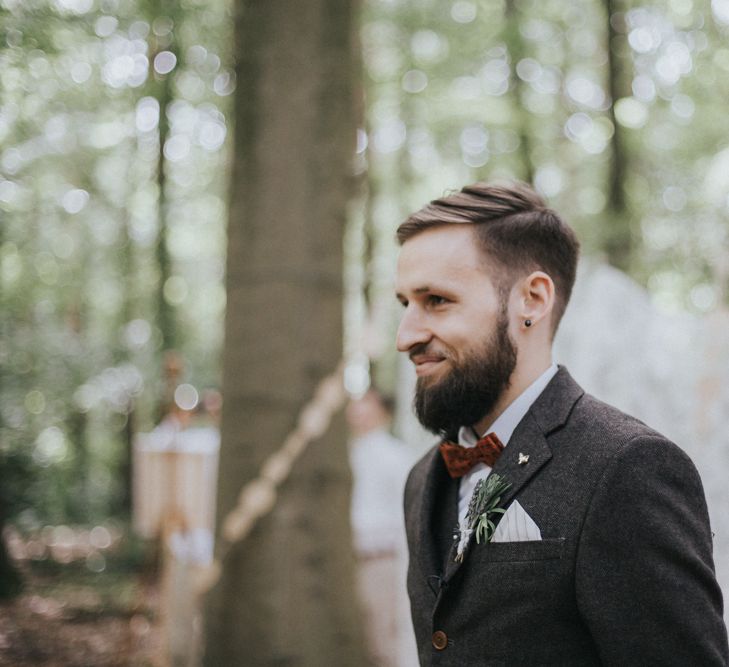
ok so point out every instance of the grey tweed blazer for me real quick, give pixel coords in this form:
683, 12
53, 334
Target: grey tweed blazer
623, 574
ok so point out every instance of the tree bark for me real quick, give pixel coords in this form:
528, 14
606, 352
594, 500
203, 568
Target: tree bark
286, 594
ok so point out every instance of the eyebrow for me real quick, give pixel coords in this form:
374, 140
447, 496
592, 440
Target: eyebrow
417, 290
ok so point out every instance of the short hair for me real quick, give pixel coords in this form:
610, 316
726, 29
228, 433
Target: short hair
516, 231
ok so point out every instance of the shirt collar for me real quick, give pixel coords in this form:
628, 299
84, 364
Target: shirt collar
509, 419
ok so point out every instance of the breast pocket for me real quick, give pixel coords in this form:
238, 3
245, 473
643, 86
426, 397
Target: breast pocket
520, 552
518, 578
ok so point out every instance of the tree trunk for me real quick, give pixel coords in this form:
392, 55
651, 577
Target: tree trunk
165, 313
77, 502
160, 86
618, 242
10, 580
11, 584
517, 51
286, 593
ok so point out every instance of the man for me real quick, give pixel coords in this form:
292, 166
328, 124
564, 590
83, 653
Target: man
553, 529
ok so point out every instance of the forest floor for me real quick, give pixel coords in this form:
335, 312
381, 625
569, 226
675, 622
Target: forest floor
68, 616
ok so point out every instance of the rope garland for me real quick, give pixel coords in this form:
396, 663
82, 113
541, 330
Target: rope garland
258, 496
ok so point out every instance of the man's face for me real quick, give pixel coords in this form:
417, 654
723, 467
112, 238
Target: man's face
454, 328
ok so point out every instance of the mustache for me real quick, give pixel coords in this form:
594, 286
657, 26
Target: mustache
426, 349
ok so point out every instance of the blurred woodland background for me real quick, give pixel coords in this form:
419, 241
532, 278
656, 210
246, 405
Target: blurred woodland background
200, 196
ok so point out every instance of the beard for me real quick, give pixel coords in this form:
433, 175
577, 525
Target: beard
471, 388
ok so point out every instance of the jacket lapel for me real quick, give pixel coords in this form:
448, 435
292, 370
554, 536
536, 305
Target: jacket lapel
529, 444
436, 517
547, 414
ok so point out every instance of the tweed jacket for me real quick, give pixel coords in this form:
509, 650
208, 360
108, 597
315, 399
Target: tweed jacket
623, 574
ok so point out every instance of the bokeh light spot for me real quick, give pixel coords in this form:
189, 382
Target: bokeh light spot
549, 180
73, 201
720, 9
100, 537
428, 46
95, 562
164, 62
224, 84
75, 6
177, 148
105, 25
175, 290
147, 114
463, 11
390, 136
704, 296
631, 113
414, 81
212, 135
35, 402
50, 446
80, 72
137, 333
186, 397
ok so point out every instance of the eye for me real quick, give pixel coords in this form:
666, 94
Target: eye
436, 300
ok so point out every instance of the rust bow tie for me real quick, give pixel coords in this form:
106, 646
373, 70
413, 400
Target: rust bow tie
459, 460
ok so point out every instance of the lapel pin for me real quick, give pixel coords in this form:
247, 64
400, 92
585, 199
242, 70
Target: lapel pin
523, 459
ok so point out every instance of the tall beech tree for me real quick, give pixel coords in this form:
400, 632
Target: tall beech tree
286, 592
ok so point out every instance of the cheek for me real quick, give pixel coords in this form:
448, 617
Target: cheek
457, 348
465, 344
470, 332
466, 325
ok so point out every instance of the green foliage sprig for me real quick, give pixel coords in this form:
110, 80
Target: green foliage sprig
485, 503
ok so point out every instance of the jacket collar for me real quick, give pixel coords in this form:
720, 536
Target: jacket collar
552, 408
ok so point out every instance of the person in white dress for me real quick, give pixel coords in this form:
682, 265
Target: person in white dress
380, 464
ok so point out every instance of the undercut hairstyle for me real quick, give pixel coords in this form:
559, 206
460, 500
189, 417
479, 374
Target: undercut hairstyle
516, 232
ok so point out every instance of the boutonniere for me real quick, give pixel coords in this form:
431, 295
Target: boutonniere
484, 504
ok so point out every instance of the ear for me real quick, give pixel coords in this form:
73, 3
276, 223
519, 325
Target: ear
535, 300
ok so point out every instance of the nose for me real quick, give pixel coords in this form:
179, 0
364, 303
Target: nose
412, 330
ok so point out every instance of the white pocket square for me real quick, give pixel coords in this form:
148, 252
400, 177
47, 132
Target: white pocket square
516, 526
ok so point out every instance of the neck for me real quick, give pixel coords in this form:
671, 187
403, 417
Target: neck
524, 375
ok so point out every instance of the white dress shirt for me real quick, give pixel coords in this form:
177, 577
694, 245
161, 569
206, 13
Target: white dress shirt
503, 427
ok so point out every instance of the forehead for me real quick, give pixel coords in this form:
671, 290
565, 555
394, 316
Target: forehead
441, 255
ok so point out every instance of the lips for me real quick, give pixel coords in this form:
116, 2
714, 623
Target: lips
426, 363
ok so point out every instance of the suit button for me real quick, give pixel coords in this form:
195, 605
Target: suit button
440, 640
